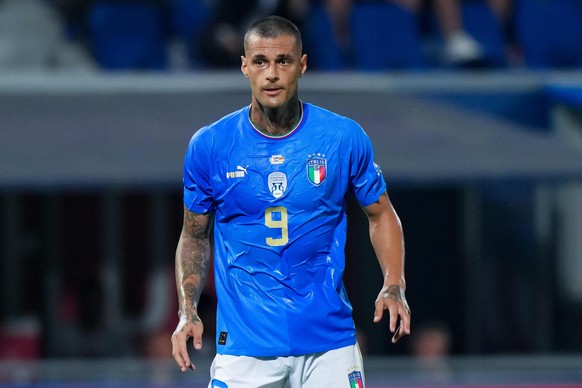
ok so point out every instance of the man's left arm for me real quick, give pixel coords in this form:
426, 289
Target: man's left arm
388, 242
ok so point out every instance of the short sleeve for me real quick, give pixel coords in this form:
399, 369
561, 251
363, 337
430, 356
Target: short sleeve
366, 179
198, 195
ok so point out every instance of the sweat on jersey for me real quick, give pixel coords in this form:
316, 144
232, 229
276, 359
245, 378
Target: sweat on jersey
280, 227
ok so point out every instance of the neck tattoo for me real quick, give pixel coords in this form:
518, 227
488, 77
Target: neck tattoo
276, 122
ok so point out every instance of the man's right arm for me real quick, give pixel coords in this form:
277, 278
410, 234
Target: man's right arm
192, 262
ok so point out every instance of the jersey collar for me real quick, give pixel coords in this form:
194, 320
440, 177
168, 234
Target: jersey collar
274, 136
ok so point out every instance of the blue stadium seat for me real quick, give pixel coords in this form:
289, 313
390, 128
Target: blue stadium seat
549, 33
188, 16
322, 48
385, 37
482, 24
187, 19
128, 36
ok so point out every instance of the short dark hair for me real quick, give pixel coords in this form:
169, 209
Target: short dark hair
274, 26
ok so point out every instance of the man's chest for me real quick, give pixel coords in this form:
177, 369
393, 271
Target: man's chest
267, 174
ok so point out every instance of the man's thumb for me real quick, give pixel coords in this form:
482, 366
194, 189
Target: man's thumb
197, 342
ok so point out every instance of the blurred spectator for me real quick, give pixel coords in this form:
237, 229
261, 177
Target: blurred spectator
434, 32
430, 347
339, 12
221, 41
20, 338
208, 33
327, 37
459, 47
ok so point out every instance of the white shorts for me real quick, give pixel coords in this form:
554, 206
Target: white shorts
335, 368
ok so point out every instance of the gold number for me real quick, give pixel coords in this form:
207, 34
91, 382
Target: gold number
276, 218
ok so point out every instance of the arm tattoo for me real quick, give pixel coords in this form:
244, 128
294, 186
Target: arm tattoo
192, 262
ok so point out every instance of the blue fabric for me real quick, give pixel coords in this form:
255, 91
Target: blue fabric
280, 228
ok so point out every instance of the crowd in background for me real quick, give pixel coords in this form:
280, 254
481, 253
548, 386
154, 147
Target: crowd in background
339, 35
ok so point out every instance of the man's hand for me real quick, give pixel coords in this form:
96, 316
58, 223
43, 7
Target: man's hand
392, 298
187, 328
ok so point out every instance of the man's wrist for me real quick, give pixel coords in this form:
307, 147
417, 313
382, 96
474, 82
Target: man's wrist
394, 281
190, 314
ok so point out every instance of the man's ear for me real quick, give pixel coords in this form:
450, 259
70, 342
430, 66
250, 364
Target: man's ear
243, 66
303, 64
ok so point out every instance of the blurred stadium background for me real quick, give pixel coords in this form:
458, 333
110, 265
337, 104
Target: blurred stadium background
483, 162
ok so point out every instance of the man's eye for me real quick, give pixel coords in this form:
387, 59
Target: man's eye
259, 62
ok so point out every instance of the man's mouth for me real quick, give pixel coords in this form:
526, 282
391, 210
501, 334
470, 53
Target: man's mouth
272, 91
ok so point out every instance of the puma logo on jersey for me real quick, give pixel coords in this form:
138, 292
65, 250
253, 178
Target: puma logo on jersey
239, 173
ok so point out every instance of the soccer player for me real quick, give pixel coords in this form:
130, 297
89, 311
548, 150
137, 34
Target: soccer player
272, 178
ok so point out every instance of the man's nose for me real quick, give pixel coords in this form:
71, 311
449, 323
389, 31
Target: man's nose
272, 73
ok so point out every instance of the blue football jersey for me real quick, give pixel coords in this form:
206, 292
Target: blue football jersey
280, 227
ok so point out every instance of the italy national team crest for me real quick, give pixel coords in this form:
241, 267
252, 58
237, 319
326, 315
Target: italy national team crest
277, 183
356, 380
316, 168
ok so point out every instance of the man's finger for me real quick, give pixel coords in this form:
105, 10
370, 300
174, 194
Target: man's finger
378, 312
395, 321
406, 324
397, 333
403, 327
197, 341
180, 352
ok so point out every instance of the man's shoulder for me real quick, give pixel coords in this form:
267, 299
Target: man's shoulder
319, 113
219, 125
228, 119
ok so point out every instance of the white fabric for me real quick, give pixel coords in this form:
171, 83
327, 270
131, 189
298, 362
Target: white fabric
327, 369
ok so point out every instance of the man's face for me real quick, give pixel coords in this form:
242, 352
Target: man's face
273, 66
